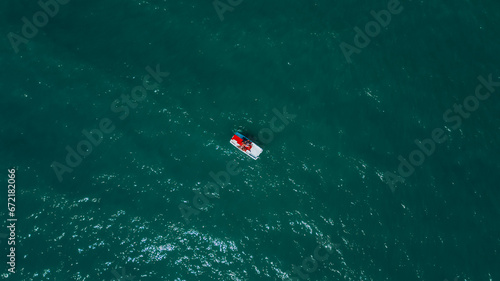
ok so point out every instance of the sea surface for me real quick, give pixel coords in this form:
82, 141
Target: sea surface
325, 200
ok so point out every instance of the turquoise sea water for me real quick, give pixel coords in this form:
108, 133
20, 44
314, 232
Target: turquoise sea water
317, 194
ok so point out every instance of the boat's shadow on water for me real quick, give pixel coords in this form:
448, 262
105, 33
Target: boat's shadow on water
251, 136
